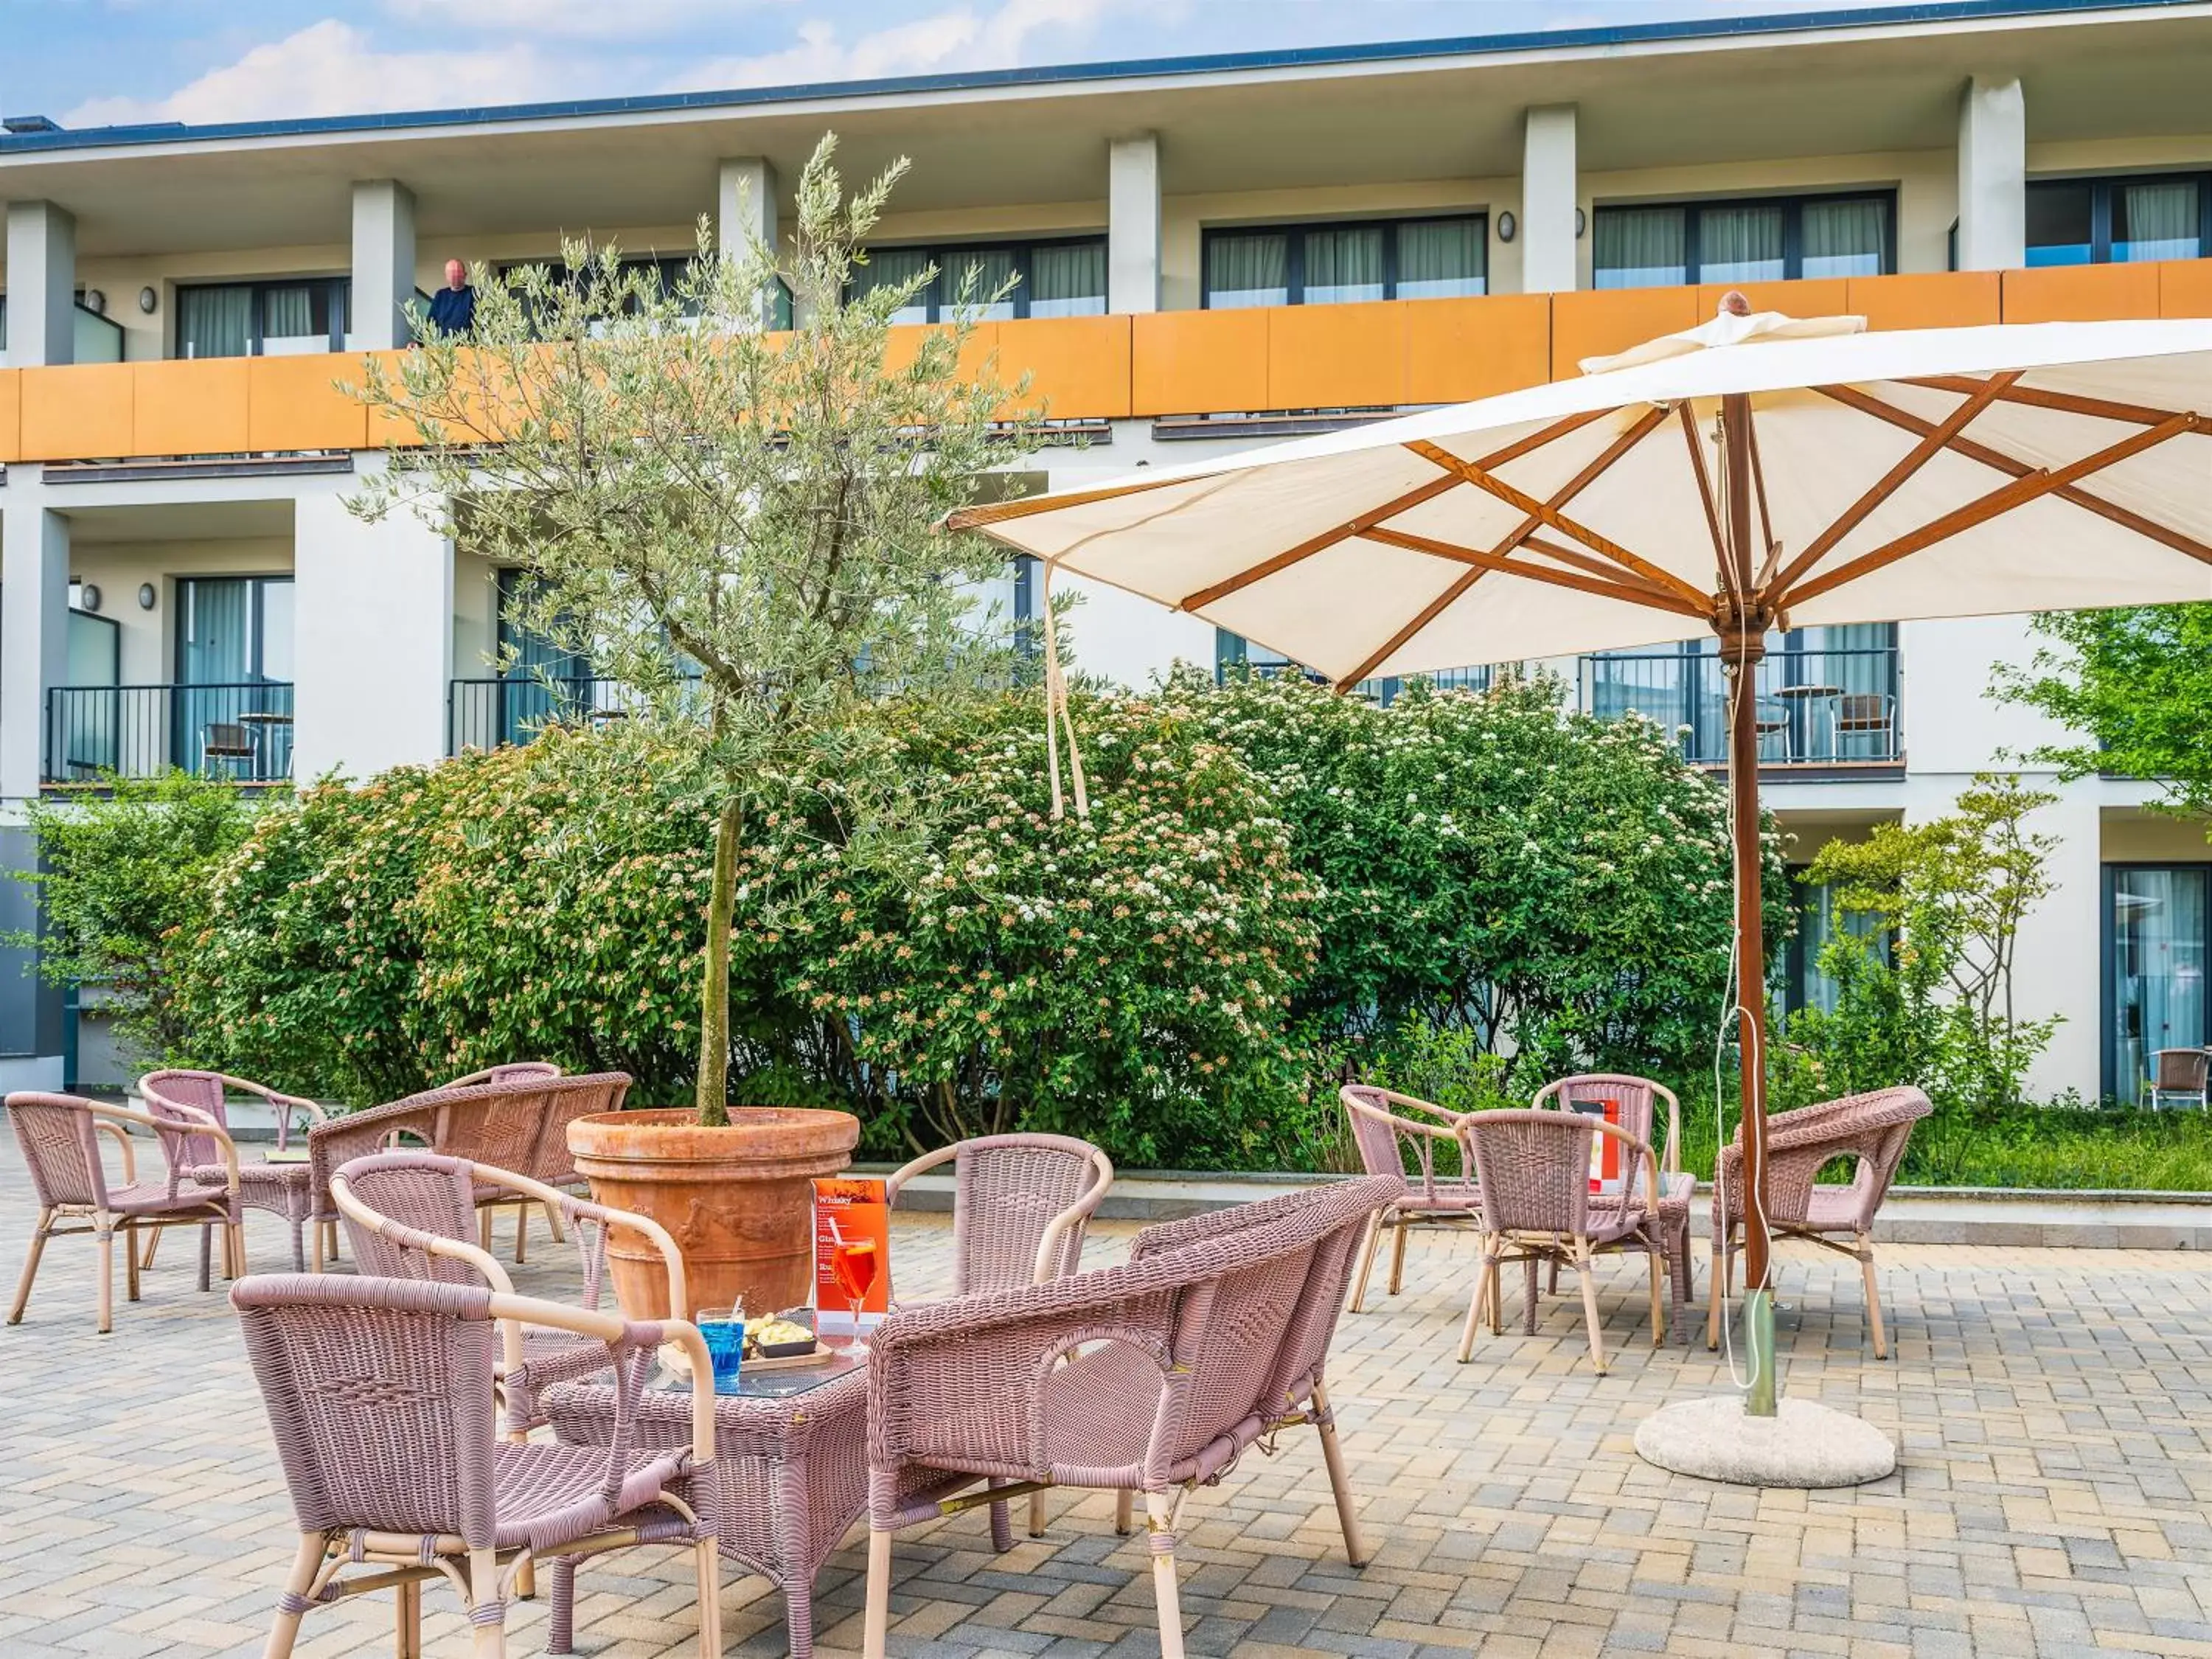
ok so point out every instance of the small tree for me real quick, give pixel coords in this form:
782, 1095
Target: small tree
2132, 687
739, 526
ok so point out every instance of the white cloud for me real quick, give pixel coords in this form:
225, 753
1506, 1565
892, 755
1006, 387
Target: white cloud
332, 67
960, 37
626, 21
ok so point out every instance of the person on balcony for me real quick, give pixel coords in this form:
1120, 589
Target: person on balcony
454, 307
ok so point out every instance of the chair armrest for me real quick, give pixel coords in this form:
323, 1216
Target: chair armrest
1638, 1149
129, 1154
652, 1231
165, 1130
1074, 1216
516, 1311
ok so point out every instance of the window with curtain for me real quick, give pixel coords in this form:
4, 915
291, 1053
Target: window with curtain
2156, 220
1764, 240
1063, 277
1343, 263
1642, 248
1741, 243
239, 319
1248, 269
1847, 238
2095, 221
977, 273
2154, 976
289, 312
1442, 259
1343, 266
216, 322
893, 267
1067, 279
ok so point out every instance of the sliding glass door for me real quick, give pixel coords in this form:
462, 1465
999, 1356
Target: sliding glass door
232, 707
2154, 920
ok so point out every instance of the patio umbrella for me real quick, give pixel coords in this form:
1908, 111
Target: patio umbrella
1755, 473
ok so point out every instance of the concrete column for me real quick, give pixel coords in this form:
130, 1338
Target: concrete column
41, 284
1548, 197
34, 555
383, 263
1992, 176
1133, 224
373, 638
744, 205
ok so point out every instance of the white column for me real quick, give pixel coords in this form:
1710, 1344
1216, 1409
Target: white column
1548, 197
373, 638
34, 557
41, 284
1992, 176
383, 263
744, 205
1133, 224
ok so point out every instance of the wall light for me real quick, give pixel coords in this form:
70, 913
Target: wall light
1507, 225
146, 596
1582, 223
87, 597
148, 301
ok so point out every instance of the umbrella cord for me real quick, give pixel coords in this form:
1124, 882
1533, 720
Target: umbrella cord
1057, 713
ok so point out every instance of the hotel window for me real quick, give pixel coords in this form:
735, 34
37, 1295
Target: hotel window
257, 320
1764, 240
2154, 963
1336, 264
1799, 979
2095, 222
1063, 277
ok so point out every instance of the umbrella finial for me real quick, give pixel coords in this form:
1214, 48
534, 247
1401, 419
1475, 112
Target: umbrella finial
1733, 304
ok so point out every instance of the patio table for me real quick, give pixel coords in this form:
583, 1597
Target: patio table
790, 1475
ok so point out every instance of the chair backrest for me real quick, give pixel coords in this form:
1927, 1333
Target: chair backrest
1640, 1099
1862, 711
379, 1393
515, 1071
164, 1091
1006, 1191
2182, 1070
1386, 1130
61, 1148
1873, 1128
422, 1192
1533, 1169
226, 739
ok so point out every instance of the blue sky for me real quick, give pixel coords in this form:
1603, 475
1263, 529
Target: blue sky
94, 62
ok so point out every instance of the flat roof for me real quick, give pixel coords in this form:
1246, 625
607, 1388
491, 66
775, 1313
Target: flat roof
1596, 37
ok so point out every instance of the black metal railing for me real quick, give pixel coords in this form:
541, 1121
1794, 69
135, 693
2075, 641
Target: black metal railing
1815, 707
485, 714
1382, 690
241, 731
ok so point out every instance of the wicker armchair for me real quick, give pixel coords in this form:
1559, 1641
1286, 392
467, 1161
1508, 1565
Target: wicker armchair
1020, 1205
1385, 1137
1532, 1170
380, 1394
282, 1189
1873, 1130
1639, 1098
1214, 1334
557, 1168
2181, 1074
60, 1139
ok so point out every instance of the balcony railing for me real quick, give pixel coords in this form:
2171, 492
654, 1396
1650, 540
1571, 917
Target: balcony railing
1384, 690
1814, 708
486, 714
241, 732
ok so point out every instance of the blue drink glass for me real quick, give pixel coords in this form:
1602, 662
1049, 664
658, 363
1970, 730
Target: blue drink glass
725, 1343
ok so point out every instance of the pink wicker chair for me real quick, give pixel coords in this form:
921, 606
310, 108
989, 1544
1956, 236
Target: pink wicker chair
1533, 1169
1020, 1205
1873, 1130
60, 1135
380, 1394
1386, 1136
282, 1189
1214, 1334
555, 1167
1639, 1098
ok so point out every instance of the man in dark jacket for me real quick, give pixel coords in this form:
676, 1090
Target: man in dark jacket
454, 307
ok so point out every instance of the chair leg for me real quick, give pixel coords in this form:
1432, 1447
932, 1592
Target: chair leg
561, 1615
798, 1617
1369, 1245
1485, 1289
297, 1583
490, 1633
235, 1232
521, 1234
1002, 1526
131, 1261
1332, 1457
707, 1568
30, 1266
207, 1255
1036, 1515
104, 1224
875, 1625
1658, 1299
332, 1228
319, 1261
299, 1248
1159, 1520
1589, 1305
153, 1239
407, 1621
484, 1230
1125, 1519
553, 1221
1717, 1290
1865, 1244
1529, 1302
1398, 1255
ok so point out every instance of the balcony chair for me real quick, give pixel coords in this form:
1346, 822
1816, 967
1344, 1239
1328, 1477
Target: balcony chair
1214, 1336
1638, 1098
60, 1139
1020, 1205
1532, 1174
227, 740
187, 1098
380, 1395
2184, 1074
1866, 715
1871, 1129
1386, 1138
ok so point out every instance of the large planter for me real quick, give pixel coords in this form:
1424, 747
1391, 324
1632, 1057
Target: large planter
738, 1201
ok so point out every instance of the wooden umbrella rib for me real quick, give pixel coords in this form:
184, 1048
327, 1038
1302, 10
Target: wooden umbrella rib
1705, 480
991, 512
1998, 461
2068, 402
1313, 544
2017, 493
1649, 595
1932, 440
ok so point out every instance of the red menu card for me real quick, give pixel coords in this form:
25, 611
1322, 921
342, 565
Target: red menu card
852, 1220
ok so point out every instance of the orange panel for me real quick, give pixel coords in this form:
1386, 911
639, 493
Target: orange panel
2081, 294
294, 403
1457, 350
1940, 299
1596, 323
76, 412
1078, 366
905, 344
1198, 362
195, 407
11, 430
2185, 287
1337, 356
1817, 296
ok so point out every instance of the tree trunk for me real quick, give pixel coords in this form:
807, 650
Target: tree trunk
714, 1094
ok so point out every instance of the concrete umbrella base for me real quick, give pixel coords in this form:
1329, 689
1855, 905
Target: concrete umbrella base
1805, 1444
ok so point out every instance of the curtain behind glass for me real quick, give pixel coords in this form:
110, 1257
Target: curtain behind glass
888, 267
215, 322
2158, 969
218, 639
1248, 271
1641, 247
2155, 220
1739, 244
289, 312
1844, 238
1068, 280
1344, 265
980, 272
2059, 224
1438, 258
275, 646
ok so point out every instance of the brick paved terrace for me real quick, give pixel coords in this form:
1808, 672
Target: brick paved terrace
2055, 1409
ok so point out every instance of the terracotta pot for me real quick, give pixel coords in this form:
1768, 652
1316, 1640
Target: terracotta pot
738, 1201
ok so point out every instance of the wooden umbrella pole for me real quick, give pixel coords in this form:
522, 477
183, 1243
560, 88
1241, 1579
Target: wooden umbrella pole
1743, 626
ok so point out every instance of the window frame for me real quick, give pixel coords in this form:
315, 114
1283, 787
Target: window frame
2109, 1036
2102, 186
337, 297
1295, 231
934, 298
1793, 204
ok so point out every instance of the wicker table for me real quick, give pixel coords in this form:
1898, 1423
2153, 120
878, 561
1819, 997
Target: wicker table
790, 1473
